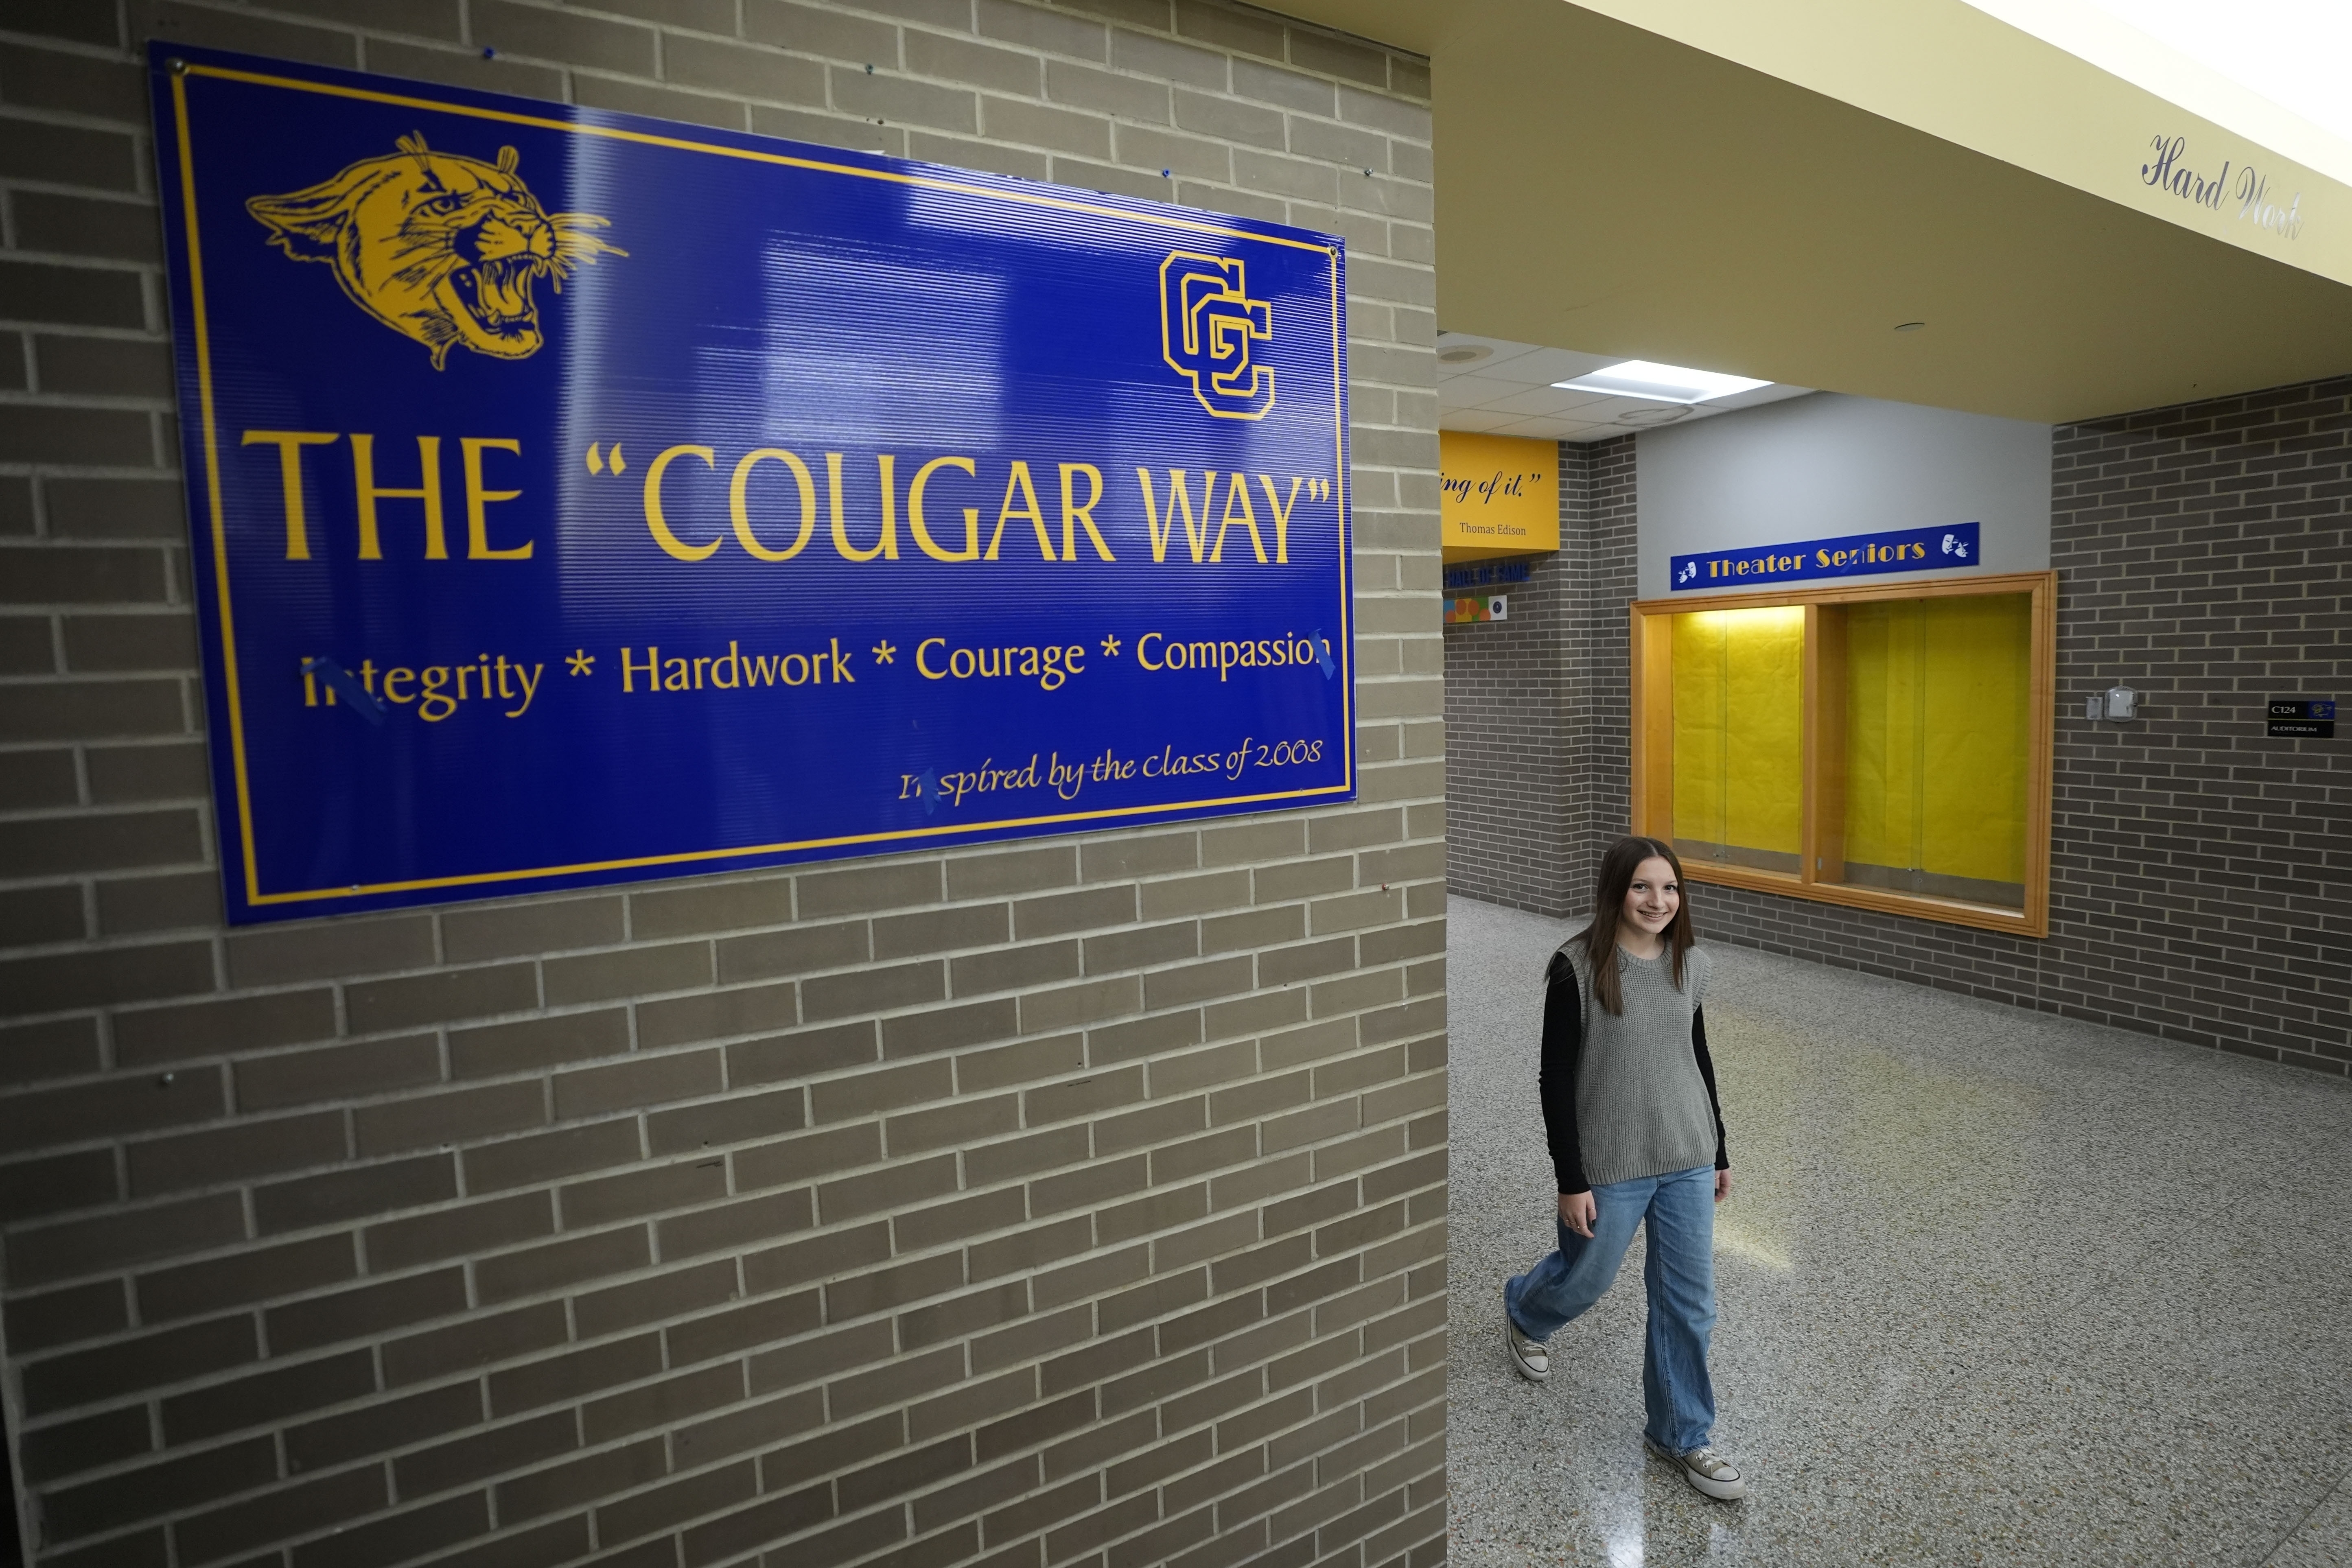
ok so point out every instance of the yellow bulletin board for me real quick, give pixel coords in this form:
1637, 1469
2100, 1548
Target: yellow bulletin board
1501, 496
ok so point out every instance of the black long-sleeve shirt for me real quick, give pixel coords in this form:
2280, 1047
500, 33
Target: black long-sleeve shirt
1563, 1050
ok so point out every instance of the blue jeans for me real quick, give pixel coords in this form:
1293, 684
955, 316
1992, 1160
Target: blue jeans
1680, 1274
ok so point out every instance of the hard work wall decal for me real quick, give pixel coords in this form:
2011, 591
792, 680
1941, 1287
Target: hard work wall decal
2241, 186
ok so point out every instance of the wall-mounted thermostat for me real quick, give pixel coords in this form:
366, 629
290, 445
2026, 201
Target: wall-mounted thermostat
2119, 703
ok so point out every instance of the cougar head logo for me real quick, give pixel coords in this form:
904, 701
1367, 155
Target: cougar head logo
438, 247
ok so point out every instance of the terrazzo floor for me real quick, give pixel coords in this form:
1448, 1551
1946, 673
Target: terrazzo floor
1995, 1286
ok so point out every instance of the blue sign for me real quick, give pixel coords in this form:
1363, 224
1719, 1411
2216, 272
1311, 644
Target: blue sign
1484, 573
1949, 549
578, 497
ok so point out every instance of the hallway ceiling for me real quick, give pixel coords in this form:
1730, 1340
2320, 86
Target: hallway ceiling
1507, 391
1776, 203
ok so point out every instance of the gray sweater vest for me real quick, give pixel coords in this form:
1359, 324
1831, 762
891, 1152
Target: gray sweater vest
1642, 1108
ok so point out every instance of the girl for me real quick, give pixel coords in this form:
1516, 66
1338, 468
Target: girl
1636, 1135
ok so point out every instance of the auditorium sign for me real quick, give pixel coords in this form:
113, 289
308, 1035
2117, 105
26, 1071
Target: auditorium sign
578, 497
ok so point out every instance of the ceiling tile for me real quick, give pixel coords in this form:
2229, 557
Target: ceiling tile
1472, 419
1535, 401
1502, 350
1588, 400
1607, 410
1470, 391
1549, 365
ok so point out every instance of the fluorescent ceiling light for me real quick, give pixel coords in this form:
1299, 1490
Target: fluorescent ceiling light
1661, 383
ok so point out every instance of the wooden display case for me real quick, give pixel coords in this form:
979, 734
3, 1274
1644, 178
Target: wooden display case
1881, 745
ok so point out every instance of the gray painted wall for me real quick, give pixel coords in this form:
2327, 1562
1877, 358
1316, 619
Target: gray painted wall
1826, 465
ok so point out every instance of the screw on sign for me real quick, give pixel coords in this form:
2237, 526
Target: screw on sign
2301, 718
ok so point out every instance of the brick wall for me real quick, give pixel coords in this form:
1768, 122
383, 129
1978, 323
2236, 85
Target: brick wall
1535, 706
1506, 733
1080, 1202
1600, 790
2199, 885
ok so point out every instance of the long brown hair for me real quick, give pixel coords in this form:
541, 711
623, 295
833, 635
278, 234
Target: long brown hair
1599, 938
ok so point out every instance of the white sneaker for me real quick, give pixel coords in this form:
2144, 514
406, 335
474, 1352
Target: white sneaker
1528, 1356
1704, 1469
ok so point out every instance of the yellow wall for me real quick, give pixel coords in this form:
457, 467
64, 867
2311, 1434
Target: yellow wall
1739, 678
1501, 496
1936, 696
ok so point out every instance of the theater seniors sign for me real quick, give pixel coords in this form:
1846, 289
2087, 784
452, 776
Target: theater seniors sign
578, 497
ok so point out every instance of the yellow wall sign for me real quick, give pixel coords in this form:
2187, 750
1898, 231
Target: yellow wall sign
1502, 495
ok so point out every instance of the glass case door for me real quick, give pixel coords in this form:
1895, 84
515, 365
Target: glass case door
1738, 730
1935, 713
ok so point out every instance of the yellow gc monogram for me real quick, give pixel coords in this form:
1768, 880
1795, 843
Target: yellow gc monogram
1206, 325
